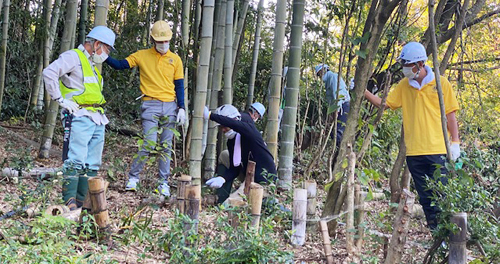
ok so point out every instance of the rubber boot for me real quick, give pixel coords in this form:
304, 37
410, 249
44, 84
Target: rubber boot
70, 185
83, 186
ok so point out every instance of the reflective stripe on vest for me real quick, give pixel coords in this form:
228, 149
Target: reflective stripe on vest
92, 83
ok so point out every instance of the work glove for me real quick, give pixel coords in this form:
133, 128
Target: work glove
69, 105
455, 150
216, 182
181, 116
206, 113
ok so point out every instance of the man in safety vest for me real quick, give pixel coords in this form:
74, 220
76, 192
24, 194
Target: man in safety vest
162, 84
76, 84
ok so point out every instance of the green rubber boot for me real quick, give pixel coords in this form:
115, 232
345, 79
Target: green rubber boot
70, 185
83, 186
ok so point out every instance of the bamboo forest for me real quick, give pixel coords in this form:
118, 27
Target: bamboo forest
250, 131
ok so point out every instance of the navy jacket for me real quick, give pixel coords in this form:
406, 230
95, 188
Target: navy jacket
252, 147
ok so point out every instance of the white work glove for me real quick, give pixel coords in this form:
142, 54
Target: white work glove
181, 116
216, 182
455, 150
69, 105
206, 113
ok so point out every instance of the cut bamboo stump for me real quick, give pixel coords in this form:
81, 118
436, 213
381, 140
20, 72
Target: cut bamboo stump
359, 204
249, 178
458, 241
326, 241
350, 204
97, 193
192, 207
236, 206
181, 192
255, 198
73, 215
57, 210
401, 221
299, 213
311, 187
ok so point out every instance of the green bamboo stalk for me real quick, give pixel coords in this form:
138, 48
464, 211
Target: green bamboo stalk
255, 57
228, 50
3, 48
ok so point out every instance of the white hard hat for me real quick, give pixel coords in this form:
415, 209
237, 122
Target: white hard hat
319, 67
104, 35
228, 110
259, 108
412, 52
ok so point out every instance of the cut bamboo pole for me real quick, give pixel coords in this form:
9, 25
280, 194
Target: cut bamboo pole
249, 178
401, 221
255, 199
310, 186
326, 241
458, 241
299, 217
351, 250
181, 192
97, 193
192, 206
236, 206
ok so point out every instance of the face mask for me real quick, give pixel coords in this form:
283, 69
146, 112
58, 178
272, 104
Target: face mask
230, 134
99, 58
162, 47
408, 73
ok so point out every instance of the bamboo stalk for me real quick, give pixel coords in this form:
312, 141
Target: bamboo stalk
255, 198
359, 204
311, 187
351, 250
326, 241
249, 178
97, 193
56, 210
299, 217
401, 221
181, 192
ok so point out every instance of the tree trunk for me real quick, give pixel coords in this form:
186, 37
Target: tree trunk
351, 249
458, 241
211, 150
396, 170
453, 42
285, 169
101, 18
82, 26
201, 92
3, 48
400, 231
160, 11
379, 13
51, 112
275, 83
255, 56
228, 53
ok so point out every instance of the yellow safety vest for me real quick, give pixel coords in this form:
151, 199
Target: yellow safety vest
91, 94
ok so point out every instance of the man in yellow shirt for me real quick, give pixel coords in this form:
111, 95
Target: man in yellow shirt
162, 84
425, 146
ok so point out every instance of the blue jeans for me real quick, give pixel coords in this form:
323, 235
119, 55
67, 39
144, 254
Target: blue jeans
341, 122
157, 118
86, 143
422, 170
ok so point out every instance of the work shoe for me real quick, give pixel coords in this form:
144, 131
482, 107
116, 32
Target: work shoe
71, 204
132, 184
163, 189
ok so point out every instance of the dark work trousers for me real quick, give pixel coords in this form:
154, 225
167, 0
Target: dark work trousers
422, 169
341, 122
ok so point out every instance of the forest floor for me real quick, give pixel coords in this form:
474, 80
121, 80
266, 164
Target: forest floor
118, 153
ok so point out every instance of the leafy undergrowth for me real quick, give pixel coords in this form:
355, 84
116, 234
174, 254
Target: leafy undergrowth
155, 233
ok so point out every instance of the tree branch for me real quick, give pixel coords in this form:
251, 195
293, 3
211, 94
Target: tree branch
449, 33
474, 61
473, 70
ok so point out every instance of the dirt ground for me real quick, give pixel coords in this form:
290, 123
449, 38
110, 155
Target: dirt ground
118, 153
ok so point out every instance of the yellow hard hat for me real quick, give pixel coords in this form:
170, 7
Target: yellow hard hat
161, 31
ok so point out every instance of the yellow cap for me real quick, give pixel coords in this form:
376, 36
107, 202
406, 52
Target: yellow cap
161, 31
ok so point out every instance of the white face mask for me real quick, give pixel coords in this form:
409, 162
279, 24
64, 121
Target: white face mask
96, 58
230, 134
408, 73
162, 47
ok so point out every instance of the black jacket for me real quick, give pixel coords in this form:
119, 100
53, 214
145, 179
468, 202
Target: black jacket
252, 147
